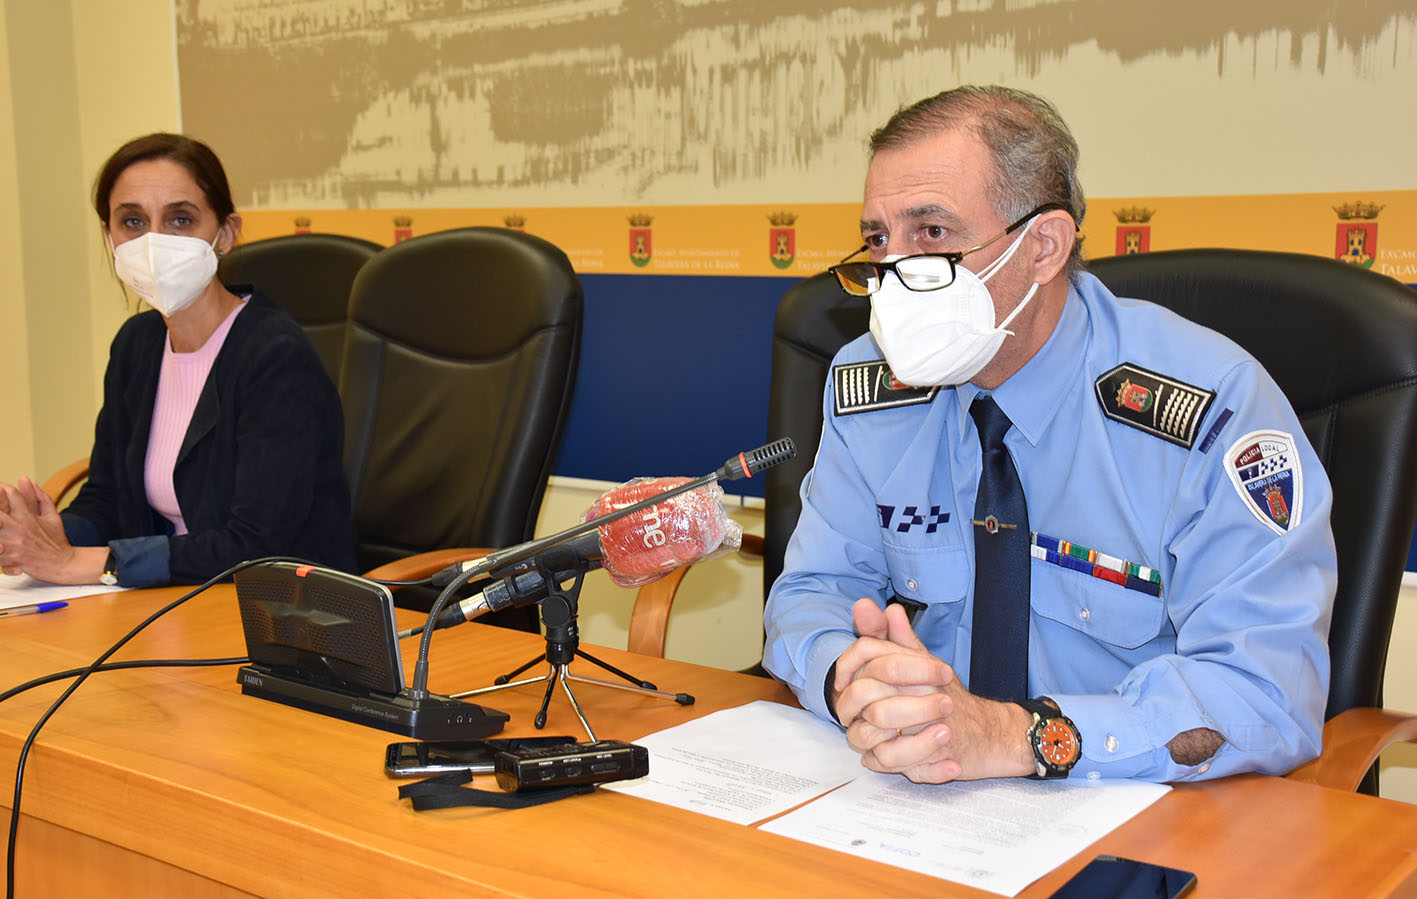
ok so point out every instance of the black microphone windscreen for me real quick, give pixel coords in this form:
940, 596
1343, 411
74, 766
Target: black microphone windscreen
764, 457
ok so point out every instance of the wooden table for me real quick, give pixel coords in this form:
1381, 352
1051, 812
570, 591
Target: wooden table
169, 782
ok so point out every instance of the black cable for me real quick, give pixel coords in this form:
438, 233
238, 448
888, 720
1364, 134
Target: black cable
119, 666
83, 676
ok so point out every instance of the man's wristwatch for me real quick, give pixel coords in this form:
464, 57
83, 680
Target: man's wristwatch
109, 578
1054, 739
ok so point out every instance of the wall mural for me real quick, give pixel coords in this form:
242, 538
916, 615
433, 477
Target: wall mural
723, 137
456, 103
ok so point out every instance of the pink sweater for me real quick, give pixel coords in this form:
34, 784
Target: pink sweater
178, 387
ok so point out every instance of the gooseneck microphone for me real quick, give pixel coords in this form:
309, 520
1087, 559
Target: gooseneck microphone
633, 550
571, 552
750, 463
744, 465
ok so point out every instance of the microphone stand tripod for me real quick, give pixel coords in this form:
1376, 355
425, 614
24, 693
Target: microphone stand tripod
560, 613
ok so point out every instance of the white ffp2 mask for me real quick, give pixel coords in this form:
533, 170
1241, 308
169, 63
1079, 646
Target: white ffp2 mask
946, 336
167, 270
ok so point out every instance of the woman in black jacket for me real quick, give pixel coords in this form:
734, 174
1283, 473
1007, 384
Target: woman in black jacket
220, 436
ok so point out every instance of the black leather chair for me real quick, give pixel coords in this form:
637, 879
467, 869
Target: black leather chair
460, 357
310, 275
814, 319
1342, 344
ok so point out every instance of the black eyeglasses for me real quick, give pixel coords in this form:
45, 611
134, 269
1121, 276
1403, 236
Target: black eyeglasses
926, 271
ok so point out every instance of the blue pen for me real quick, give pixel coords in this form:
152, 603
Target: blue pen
37, 607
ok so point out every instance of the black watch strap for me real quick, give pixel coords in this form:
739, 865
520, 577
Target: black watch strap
1049, 720
109, 577
1039, 707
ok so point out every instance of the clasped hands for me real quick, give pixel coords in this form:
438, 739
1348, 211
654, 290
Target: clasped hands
906, 713
32, 539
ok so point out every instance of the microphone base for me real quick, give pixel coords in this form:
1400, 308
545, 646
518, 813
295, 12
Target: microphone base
560, 673
434, 717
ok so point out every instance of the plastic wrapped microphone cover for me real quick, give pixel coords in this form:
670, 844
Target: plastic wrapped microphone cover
649, 544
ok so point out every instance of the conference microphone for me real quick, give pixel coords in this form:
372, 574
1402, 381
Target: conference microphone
565, 555
523, 583
634, 549
511, 592
750, 463
744, 466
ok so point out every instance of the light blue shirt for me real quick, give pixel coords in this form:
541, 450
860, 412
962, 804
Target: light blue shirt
1236, 641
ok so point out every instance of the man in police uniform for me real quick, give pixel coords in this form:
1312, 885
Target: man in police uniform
1174, 557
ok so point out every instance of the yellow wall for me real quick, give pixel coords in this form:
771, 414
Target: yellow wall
16, 446
47, 216
82, 76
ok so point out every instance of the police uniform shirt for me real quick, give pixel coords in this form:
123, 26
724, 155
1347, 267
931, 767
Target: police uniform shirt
1182, 570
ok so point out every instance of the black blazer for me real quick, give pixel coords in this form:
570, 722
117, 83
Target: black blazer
260, 470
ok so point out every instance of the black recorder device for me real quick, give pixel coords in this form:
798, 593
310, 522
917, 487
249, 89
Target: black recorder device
577, 763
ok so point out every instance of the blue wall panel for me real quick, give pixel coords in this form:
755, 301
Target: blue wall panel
673, 376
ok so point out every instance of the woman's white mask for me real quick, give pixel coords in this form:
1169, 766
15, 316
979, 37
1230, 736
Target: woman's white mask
167, 270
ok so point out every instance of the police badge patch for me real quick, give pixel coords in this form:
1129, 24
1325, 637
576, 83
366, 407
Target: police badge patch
1264, 466
1165, 407
868, 386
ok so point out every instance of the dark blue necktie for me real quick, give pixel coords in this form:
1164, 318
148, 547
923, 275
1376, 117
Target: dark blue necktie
998, 666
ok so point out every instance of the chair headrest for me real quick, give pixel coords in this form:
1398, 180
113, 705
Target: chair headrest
466, 293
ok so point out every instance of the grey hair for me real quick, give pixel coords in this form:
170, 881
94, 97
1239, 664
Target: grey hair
1035, 155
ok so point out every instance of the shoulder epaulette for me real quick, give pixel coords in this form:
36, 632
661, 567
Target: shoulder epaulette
1156, 404
869, 386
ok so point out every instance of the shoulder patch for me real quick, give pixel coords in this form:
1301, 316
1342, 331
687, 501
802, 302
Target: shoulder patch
1156, 404
1264, 467
868, 386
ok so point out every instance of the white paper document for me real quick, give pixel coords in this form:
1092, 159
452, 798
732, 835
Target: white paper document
761, 759
22, 590
744, 764
997, 835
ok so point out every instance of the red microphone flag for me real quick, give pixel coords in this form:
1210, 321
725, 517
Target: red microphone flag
648, 544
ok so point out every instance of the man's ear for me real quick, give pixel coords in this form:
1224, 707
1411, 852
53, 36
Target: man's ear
1055, 235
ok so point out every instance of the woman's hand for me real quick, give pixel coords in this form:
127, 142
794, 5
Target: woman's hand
6, 491
32, 539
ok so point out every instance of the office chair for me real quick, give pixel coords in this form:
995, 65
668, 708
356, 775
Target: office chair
1341, 342
459, 362
65, 480
308, 274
